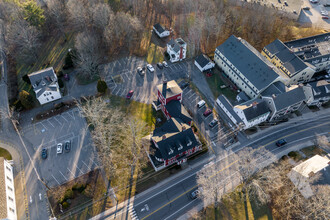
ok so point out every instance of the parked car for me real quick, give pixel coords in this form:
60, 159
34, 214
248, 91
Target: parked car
194, 194
160, 65
67, 146
324, 12
183, 84
200, 103
281, 142
44, 153
66, 77
325, 17
314, 1
306, 8
213, 123
165, 64
129, 94
150, 68
286, 3
140, 71
327, 5
207, 112
59, 149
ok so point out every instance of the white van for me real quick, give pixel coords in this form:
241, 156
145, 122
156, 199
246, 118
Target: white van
200, 103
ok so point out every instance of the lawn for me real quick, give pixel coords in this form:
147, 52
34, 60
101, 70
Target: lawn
52, 53
154, 54
236, 207
215, 82
4, 153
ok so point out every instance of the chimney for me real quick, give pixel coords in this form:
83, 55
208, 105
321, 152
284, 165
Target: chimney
164, 89
164, 137
183, 128
254, 104
274, 96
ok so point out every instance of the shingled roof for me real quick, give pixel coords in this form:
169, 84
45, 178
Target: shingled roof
173, 138
255, 67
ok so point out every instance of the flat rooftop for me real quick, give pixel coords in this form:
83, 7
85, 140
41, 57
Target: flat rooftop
311, 47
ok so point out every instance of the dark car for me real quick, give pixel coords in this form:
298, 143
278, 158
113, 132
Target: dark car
306, 8
140, 71
129, 94
160, 66
327, 5
207, 112
325, 17
183, 84
281, 142
44, 153
66, 77
67, 146
213, 123
285, 3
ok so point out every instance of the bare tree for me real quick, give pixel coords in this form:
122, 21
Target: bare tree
101, 15
87, 57
78, 14
322, 142
56, 13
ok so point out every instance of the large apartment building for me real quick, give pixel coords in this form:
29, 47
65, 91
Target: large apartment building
314, 50
245, 66
293, 70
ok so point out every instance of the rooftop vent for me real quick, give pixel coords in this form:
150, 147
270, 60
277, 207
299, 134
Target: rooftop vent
164, 137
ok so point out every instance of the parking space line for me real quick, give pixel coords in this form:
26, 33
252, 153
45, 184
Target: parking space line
191, 95
64, 118
123, 93
88, 168
70, 172
56, 180
93, 161
63, 175
208, 116
117, 92
50, 123
78, 168
195, 100
57, 120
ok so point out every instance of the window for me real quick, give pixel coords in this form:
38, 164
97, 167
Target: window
44, 94
52, 97
9, 188
47, 99
11, 199
12, 210
9, 179
8, 168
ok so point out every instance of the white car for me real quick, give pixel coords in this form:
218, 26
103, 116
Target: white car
324, 13
59, 148
165, 64
150, 68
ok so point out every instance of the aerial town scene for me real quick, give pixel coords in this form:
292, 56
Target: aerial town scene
164, 109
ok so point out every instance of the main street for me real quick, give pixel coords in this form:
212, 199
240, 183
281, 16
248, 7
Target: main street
172, 199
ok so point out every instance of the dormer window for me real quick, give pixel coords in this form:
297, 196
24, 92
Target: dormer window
171, 151
316, 92
180, 146
189, 142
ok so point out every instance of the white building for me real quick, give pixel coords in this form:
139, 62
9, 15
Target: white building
227, 108
177, 49
161, 31
203, 63
245, 66
7, 191
45, 86
282, 101
252, 112
317, 93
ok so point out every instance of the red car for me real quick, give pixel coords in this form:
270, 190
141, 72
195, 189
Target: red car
207, 112
129, 94
325, 17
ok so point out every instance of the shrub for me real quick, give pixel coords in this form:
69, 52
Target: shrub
26, 99
68, 195
65, 205
293, 154
68, 63
60, 83
79, 187
26, 79
59, 73
101, 86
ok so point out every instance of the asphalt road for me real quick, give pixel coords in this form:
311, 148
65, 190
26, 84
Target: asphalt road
172, 199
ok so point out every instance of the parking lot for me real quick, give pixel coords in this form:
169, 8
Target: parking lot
143, 86
213, 134
57, 169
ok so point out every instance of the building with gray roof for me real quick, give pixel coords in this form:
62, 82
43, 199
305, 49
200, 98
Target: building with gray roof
176, 49
285, 102
245, 66
45, 86
292, 69
320, 93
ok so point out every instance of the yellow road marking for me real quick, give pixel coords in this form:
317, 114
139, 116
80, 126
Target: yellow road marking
230, 166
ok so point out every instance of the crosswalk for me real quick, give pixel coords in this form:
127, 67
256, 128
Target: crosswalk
132, 212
